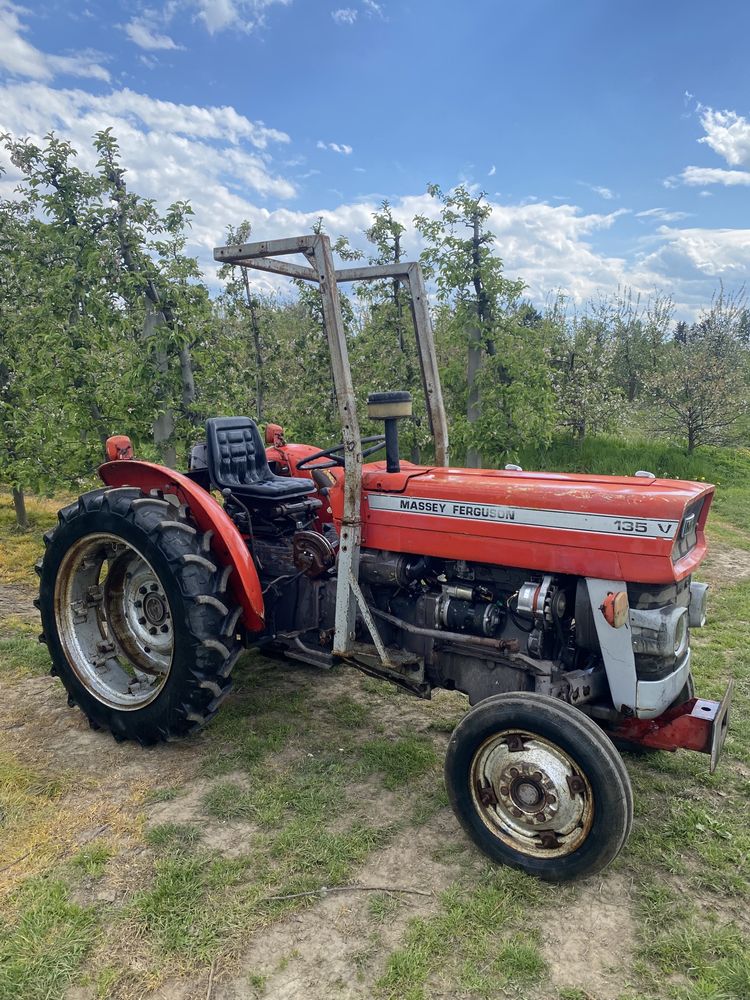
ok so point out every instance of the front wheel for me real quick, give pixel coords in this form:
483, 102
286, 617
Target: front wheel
538, 786
136, 615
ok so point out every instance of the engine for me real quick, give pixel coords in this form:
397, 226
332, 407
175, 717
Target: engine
469, 626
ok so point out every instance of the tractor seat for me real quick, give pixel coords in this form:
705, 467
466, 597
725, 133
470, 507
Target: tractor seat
237, 461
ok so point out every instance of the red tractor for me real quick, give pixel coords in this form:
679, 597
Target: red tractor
561, 605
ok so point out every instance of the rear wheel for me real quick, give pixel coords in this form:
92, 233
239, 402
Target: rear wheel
538, 786
136, 615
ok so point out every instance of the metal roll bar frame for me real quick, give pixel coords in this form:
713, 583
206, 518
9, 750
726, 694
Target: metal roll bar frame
316, 248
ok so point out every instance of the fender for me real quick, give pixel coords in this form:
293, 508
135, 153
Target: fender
226, 541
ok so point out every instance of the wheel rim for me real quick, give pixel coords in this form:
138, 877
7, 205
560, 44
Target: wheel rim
114, 621
531, 794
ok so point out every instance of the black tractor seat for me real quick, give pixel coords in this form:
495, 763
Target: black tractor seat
237, 461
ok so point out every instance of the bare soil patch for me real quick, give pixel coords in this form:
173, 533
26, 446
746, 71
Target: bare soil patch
725, 566
17, 602
335, 947
588, 942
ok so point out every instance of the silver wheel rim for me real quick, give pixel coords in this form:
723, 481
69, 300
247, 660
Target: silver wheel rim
531, 794
114, 621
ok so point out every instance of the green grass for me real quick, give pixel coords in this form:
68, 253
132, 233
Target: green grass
20, 550
43, 940
620, 456
399, 761
175, 836
23, 654
92, 859
349, 713
471, 941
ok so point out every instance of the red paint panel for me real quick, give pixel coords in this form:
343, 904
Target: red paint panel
548, 547
226, 542
685, 727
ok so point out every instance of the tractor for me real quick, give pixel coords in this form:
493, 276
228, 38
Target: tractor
559, 605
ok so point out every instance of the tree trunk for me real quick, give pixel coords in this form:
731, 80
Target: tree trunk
473, 406
163, 426
19, 505
188, 383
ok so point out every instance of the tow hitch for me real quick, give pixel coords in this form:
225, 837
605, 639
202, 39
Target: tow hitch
697, 724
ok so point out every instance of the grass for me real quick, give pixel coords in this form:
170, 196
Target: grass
43, 940
20, 550
468, 941
399, 761
304, 787
21, 654
92, 859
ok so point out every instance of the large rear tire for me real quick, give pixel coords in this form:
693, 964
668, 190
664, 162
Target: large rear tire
538, 786
136, 615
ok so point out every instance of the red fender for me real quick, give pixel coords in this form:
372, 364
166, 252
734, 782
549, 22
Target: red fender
226, 542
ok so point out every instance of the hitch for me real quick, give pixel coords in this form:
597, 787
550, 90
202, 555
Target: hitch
697, 724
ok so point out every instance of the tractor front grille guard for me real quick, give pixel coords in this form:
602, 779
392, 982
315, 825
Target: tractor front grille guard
263, 256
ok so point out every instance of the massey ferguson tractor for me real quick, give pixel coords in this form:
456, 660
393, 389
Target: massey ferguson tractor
560, 605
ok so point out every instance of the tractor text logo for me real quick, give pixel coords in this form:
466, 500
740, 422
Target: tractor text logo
450, 509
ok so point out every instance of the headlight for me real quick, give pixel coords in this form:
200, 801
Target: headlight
659, 632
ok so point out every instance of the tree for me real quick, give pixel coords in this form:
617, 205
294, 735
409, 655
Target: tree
503, 386
700, 388
582, 366
384, 350
244, 306
638, 332
158, 278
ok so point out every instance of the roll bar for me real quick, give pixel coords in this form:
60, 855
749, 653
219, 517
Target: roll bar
316, 248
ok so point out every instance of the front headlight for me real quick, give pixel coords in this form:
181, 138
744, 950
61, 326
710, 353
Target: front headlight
659, 632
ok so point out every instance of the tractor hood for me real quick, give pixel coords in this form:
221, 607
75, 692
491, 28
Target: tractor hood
611, 527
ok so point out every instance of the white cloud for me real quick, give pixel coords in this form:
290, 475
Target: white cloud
604, 192
373, 8
698, 176
661, 215
344, 15
727, 134
221, 162
213, 157
697, 254
20, 58
492, 171
218, 15
144, 34
335, 147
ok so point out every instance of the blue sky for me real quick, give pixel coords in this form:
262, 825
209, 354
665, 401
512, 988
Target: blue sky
613, 140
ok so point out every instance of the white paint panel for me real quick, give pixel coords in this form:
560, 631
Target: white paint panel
561, 520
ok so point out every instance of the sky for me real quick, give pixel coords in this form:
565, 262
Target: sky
612, 139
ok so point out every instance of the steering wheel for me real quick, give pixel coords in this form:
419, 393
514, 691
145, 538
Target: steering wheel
335, 455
